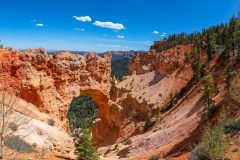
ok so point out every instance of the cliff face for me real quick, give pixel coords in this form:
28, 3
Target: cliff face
51, 82
162, 62
161, 87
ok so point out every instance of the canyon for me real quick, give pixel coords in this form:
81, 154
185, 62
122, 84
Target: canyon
49, 82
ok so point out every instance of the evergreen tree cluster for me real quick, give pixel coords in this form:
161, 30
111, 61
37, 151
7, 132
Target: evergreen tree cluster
82, 110
85, 147
227, 35
81, 114
208, 90
120, 68
197, 63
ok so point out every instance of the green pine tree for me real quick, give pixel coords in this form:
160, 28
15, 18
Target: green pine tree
82, 109
228, 76
238, 43
85, 147
197, 64
208, 90
211, 45
231, 35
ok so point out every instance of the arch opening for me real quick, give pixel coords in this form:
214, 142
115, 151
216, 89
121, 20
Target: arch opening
104, 117
82, 111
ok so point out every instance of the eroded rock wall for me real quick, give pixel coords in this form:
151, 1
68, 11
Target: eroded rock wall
162, 62
51, 82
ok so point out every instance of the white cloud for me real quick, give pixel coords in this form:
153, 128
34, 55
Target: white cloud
163, 34
121, 37
155, 32
83, 18
111, 25
40, 25
109, 45
79, 29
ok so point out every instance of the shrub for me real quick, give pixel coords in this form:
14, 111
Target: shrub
34, 145
40, 132
232, 126
134, 113
116, 147
137, 116
154, 157
16, 143
51, 122
212, 145
148, 124
199, 153
171, 103
13, 126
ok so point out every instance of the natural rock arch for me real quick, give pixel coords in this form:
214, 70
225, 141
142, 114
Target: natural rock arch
56, 79
106, 130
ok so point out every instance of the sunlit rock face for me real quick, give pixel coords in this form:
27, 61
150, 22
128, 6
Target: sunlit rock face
164, 62
51, 82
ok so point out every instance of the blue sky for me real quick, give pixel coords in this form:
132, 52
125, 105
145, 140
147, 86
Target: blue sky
101, 25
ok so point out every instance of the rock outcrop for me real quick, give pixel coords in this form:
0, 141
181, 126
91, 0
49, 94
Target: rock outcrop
162, 62
50, 82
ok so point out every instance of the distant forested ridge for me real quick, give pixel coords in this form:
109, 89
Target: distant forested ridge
120, 62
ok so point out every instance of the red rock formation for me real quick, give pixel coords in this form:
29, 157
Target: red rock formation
162, 62
51, 82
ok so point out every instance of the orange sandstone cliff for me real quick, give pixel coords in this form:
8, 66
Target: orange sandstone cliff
50, 82
155, 80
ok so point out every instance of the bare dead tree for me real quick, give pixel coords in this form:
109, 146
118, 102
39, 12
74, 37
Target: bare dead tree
12, 118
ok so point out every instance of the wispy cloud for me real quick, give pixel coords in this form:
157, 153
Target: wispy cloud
79, 29
121, 37
163, 34
83, 18
111, 25
155, 32
109, 45
40, 25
